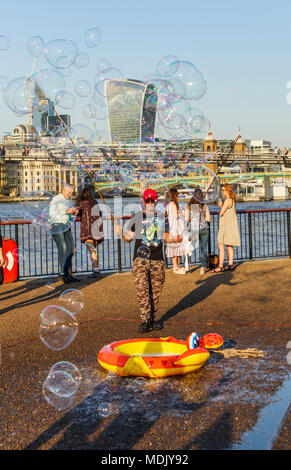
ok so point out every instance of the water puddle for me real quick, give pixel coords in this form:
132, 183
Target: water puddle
265, 432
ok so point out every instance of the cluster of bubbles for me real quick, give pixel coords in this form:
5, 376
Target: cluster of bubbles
168, 96
58, 328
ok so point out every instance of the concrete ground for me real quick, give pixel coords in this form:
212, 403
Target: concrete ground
212, 408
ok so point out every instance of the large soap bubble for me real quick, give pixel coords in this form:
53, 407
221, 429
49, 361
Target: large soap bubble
49, 82
73, 300
65, 99
61, 53
81, 60
83, 88
58, 327
192, 79
167, 66
20, 96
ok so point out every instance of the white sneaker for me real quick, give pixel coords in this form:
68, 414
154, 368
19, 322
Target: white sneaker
180, 271
202, 271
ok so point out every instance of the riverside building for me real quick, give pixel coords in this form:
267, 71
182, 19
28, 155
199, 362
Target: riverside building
131, 108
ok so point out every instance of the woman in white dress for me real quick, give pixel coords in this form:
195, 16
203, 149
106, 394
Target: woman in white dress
176, 230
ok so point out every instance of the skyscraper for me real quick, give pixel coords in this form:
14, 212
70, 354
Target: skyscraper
131, 107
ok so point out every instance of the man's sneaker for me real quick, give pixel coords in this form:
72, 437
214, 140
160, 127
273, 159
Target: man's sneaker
73, 279
64, 278
146, 326
158, 325
202, 271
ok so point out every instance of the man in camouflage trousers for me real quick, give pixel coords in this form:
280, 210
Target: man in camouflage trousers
148, 261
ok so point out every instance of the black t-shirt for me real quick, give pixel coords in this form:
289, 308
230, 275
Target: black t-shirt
149, 231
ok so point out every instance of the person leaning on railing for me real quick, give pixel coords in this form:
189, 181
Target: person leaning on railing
61, 212
228, 233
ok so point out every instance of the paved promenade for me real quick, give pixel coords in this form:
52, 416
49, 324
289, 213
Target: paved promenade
212, 408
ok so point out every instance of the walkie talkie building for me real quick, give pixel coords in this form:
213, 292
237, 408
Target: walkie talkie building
131, 107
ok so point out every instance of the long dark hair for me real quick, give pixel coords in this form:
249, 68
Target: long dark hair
196, 199
85, 195
174, 197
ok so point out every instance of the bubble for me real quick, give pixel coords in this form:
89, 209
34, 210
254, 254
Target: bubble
73, 299
69, 368
192, 79
143, 252
104, 409
40, 205
89, 111
108, 74
167, 66
81, 60
81, 134
50, 82
65, 99
4, 43
92, 37
82, 88
19, 95
202, 181
100, 106
61, 53
102, 64
18, 253
35, 46
61, 383
58, 327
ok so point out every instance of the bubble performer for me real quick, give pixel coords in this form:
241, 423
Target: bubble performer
148, 269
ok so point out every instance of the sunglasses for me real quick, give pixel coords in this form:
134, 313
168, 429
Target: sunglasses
147, 201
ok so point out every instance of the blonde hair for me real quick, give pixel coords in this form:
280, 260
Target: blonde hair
229, 190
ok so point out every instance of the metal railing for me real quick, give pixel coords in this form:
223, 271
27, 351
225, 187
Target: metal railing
265, 233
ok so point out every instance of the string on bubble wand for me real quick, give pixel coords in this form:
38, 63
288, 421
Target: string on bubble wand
232, 143
65, 127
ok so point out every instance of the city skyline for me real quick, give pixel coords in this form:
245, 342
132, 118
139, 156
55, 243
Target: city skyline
241, 50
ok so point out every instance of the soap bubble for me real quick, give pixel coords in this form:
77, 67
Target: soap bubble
35, 46
143, 252
65, 99
82, 88
69, 368
167, 66
192, 79
61, 383
50, 82
89, 111
58, 327
92, 37
108, 74
4, 43
61, 53
100, 106
73, 299
104, 409
81, 60
102, 64
19, 95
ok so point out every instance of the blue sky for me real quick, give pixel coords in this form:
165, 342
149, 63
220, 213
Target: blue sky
243, 49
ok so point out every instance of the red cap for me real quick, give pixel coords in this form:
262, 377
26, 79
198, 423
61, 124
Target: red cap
150, 194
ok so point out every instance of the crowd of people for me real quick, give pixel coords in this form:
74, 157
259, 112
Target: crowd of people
150, 232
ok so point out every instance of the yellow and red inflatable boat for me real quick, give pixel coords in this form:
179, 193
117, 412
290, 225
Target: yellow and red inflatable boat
154, 357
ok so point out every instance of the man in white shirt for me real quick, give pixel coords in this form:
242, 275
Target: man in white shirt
61, 213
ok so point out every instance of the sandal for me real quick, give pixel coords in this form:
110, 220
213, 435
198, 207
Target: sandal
229, 267
218, 270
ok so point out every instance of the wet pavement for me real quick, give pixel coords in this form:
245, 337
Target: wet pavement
231, 403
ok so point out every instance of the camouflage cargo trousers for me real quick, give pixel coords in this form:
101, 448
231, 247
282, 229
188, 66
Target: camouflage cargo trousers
149, 277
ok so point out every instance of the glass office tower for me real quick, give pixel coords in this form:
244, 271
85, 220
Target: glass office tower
131, 107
